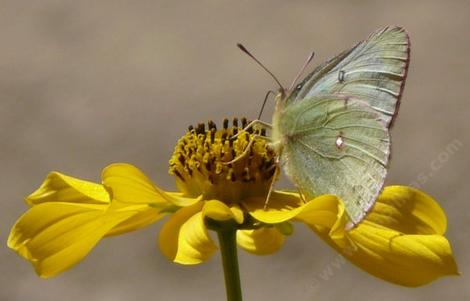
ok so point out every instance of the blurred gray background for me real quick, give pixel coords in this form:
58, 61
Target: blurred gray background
87, 83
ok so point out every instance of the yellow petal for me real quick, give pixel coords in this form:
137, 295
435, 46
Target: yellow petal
184, 237
284, 206
69, 216
409, 260
130, 185
238, 213
400, 241
143, 218
221, 212
408, 210
326, 215
262, 241
58, 187
55, 236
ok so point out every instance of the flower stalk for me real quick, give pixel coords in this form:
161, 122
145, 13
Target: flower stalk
227, 234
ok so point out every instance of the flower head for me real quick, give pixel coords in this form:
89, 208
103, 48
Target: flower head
199, 163
402, 239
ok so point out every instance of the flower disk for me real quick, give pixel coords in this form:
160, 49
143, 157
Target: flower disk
201, 165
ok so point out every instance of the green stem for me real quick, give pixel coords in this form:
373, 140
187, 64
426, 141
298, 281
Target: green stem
228, 248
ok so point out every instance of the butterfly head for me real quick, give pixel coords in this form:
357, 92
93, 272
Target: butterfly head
281, 94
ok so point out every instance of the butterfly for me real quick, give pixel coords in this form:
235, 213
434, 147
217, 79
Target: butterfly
331, 132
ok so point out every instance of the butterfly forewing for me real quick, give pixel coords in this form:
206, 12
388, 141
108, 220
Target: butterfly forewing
373, 71
336, 145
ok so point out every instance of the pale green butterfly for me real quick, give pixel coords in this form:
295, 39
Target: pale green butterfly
331, 132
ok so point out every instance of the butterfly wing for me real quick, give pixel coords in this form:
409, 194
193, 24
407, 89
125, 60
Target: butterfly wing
336, 145
374, 71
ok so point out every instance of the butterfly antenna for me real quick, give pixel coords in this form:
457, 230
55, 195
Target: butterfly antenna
264, 103
302, 70
242, 48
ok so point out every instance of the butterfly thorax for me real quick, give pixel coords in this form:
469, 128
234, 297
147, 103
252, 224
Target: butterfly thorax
277, 136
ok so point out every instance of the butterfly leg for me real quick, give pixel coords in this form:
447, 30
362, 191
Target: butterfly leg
271, 186
253, 123
301, 194
247, 149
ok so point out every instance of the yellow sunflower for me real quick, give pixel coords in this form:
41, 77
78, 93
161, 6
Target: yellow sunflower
401, 240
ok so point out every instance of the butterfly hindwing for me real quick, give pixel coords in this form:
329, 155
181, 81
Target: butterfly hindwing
336, 145
374, 71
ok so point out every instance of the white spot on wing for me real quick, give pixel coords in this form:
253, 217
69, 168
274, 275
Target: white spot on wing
339, 142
